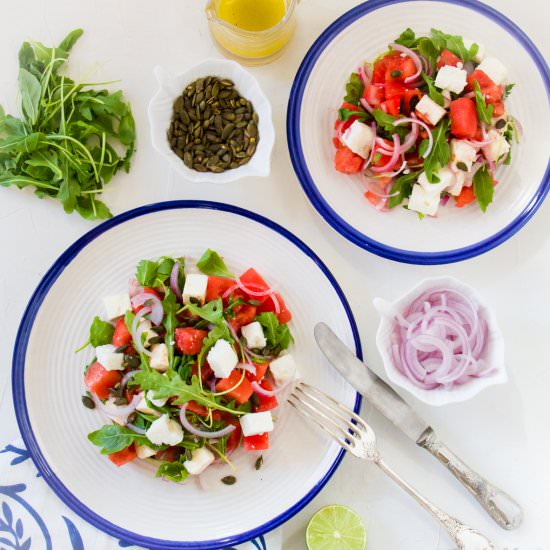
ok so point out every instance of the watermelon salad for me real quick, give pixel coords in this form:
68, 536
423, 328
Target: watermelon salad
425, 124
188, 365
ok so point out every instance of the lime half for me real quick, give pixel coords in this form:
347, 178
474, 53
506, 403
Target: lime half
336, 527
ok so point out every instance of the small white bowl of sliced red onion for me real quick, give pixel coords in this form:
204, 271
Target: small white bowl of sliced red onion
440, 342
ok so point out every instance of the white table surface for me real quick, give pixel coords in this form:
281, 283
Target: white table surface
503, 432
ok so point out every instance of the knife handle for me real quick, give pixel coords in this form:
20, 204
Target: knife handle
500, 506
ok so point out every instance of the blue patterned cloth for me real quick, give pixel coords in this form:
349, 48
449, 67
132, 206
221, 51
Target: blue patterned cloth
33, 517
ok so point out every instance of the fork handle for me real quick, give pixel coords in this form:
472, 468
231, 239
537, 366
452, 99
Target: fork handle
500, 506
465, 538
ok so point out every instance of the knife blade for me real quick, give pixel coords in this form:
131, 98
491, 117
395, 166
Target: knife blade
382, 396
498, 504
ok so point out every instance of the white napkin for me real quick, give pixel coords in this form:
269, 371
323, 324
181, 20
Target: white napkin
32, 515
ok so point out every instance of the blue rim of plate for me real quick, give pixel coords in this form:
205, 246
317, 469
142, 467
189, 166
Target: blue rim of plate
18, 375
323, 207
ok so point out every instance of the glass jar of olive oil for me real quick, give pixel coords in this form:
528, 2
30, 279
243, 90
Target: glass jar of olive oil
252, 31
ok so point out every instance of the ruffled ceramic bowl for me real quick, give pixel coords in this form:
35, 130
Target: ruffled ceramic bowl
160, 114
440, 396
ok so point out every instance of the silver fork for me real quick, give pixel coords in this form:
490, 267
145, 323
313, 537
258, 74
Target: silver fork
352, 433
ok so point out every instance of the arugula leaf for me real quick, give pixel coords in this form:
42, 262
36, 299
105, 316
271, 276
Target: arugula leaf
174, 471
170, 384
508, 89
146, 272
407, 38
484, 111
170, 306
84, 135
345, 114
212, 311
403, 186
31, 91
354, 89
483, 187
211, 263
113, 438
453, 43
220, 331
278, 335
384, 122
433, 92
441, 151
101, 332
427, 49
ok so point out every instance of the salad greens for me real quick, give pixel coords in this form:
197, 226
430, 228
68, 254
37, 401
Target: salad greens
71, 139
483, 187
211, 263
440, 154
165, 357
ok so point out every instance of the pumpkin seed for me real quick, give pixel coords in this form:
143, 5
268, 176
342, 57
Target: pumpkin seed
131, 418
229, 480
121, 349
88, 402
132, 360
213, 128
156, 340
259, 462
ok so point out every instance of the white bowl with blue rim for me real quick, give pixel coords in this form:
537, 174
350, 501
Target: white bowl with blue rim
130, 503
457, 233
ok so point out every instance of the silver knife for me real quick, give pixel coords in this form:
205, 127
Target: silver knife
500, 506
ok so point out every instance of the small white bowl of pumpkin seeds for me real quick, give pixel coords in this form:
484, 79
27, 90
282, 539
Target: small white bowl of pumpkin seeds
212, 122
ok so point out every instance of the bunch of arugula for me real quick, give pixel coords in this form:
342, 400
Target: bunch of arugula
71, 139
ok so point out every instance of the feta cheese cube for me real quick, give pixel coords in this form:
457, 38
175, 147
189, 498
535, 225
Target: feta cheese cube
462, 152
143, 406
498, 148
144, 451
478, 57
422, 201
156, 402
359, 138
429, 110
201, 459
165, 431
451, 78
494, 69
194, 289
283, 368
116, 305
458, 183
107, 357
256, 423
159, 357
445, 176
254, 335
222, 358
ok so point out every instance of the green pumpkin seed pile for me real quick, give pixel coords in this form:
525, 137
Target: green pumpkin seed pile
213, 128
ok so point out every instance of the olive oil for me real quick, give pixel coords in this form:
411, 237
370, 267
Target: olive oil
252, 15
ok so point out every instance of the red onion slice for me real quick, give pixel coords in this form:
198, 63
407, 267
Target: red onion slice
134, 288
414, 120
201, 433
414, 56
366, 105
117, 410
174, 283
127, 377
393, 160
137, 330
270, 393
135, 429
154, 302
440, 340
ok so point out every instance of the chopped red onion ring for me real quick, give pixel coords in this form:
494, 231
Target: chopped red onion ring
152, 300
248, 367
414, 120
366, 105
363, 75
174, 283
269, 393
117, 410
201, 433
134, 287
368, 186
127, 377
393, 160
135, 429
137, 330
440, 340
414, 56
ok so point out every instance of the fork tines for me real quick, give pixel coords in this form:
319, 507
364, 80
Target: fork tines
341, 423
